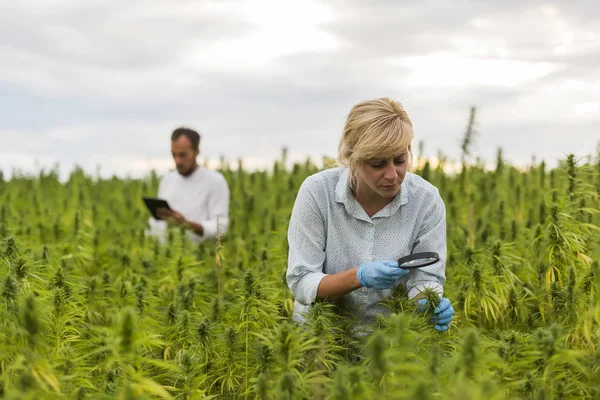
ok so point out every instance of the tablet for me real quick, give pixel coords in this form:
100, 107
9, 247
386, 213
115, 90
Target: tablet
153, 204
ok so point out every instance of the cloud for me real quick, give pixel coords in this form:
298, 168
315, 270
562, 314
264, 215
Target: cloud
439, 69
106, 81
587, 108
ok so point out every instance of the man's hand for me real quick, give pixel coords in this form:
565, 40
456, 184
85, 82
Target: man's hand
177, 218
165, 213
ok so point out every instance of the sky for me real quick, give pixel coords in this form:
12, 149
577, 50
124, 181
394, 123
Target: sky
102, 83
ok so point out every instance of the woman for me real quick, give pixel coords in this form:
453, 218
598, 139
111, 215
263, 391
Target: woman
349, 223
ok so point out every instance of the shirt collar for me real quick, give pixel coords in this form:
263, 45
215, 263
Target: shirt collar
190, 176
343, 194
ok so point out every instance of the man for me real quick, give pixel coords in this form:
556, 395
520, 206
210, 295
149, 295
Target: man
197, 195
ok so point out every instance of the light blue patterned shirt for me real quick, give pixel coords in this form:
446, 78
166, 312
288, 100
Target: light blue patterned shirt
330, 232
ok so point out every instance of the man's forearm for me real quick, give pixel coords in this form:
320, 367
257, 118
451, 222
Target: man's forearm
334, 287
196, 227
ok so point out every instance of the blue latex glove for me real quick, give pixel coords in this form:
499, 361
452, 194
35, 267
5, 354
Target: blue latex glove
442, 315
380, 274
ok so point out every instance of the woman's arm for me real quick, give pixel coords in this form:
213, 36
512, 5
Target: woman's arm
334, 287
306, 239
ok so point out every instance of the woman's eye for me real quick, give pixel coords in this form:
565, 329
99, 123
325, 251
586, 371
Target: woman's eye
400, 161
377, 164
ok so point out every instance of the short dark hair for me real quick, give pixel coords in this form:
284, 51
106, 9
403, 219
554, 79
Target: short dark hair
191, 134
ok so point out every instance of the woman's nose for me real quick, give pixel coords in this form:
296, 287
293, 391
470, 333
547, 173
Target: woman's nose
390, 171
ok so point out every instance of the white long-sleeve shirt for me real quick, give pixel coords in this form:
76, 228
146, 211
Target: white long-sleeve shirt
200, 197
330, 232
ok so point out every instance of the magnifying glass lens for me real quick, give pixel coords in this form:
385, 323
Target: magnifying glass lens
422, 261
418, 260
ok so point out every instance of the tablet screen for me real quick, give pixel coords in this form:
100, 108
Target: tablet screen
153, 204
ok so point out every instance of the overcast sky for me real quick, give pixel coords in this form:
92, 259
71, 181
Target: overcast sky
104, 82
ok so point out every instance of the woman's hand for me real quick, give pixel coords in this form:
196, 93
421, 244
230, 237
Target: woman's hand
442, 315
380, 274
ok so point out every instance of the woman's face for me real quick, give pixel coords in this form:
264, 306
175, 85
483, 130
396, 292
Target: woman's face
383, 177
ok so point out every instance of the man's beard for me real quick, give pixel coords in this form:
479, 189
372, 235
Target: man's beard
187, 172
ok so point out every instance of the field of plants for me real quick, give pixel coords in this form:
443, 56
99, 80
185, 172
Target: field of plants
91, 307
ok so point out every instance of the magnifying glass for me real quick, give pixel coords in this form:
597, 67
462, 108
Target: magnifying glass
418, 260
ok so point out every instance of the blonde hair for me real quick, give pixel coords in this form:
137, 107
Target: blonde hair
377, 128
